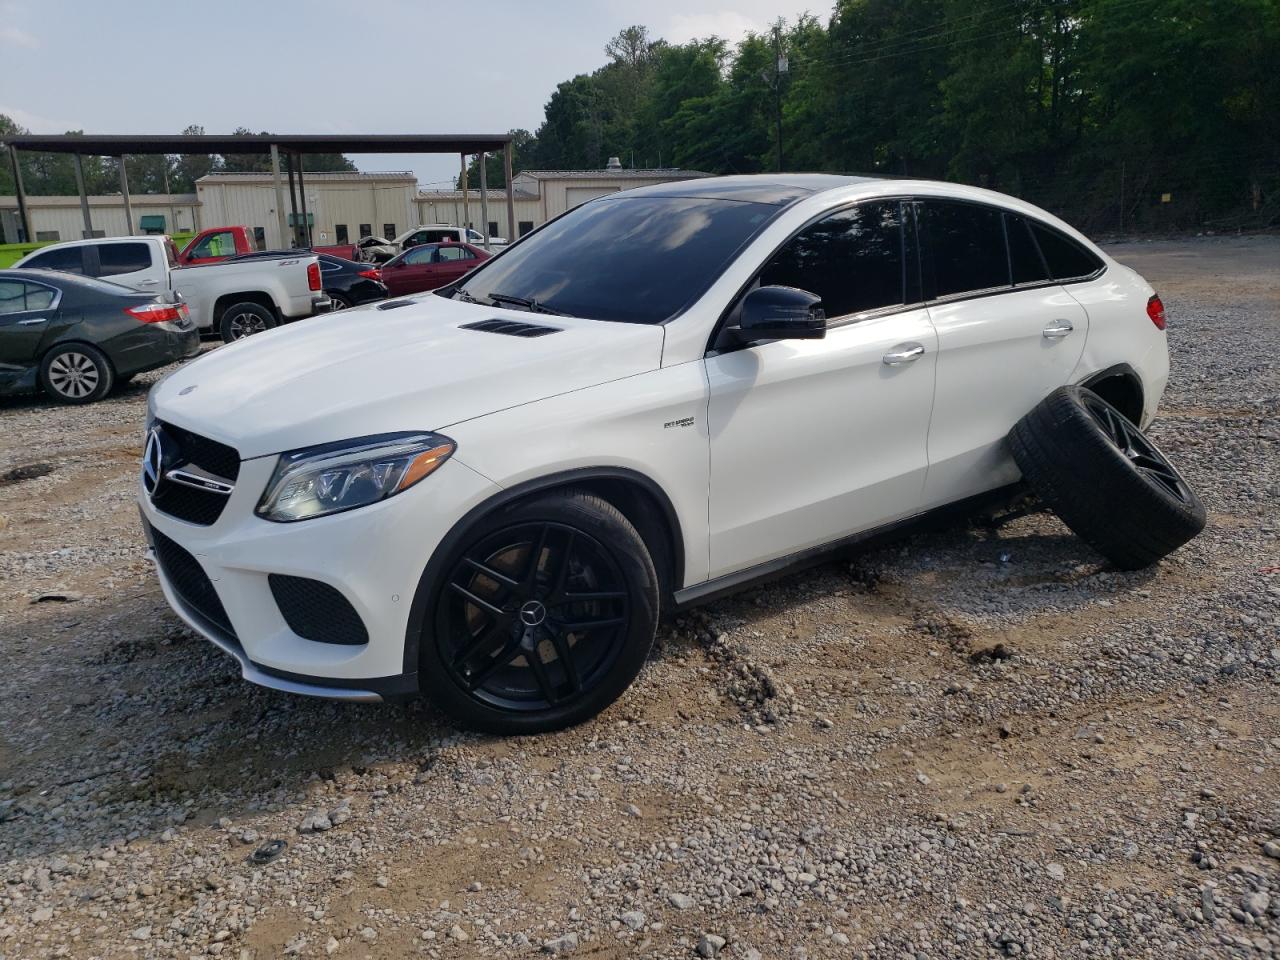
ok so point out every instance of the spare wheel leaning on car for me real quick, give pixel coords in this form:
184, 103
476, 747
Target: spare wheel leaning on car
1105, 479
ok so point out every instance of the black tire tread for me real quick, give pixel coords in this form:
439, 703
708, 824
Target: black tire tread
106, 384
1092, 487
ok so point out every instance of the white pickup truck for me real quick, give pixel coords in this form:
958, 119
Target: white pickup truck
235, 299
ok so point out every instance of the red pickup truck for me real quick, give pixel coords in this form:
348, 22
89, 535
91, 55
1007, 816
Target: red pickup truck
219, 243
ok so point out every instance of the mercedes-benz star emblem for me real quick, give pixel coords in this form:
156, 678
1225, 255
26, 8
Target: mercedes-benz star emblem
533, 613
152, 461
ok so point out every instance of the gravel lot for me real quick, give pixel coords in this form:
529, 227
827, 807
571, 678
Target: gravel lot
976, 742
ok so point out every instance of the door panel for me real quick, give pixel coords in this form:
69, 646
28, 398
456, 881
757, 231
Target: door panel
998, 356
27, 312
813, 440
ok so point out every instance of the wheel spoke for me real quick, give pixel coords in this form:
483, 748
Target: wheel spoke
577, 626
535, 558
585, 597
541, 675
490, 572
562, 569
480, 602
564, 654
485, 642
504, 658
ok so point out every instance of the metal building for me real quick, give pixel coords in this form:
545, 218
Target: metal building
341, 207
541, 195
61, 218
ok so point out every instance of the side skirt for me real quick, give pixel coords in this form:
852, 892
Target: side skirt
730, 583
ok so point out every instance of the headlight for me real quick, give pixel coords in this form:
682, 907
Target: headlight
342, 476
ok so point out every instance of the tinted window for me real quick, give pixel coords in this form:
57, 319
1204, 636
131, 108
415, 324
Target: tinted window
630, 259
1024, 256
17, 297
966, 243
454, 253
1066, 258
418, 255
13, 297
216, 245
114, 258
852, 260
68, 259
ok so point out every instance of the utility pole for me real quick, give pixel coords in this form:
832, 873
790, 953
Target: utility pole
1122, 196
779, 68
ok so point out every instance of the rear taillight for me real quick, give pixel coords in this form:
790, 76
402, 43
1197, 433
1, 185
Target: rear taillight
313, 276
1155, 310
158, 312
371, 274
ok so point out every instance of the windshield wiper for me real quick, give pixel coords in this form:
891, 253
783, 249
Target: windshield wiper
533, 306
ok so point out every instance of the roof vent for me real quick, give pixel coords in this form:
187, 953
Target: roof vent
510, 328
613, 164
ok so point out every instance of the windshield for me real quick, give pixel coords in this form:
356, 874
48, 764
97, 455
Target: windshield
630, 259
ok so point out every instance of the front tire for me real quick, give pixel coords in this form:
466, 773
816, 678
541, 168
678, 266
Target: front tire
76, 373
545, 614
242, 320
1105, 479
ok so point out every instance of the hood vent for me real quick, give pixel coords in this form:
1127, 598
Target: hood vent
392, 304
510, 328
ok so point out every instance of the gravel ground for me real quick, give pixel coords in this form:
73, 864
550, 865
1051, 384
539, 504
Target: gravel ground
976, 742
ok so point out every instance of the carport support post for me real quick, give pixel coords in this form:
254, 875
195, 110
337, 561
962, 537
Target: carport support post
484, 199
511, 195
275, 179
84, 199
24, 224
466, 195
124, 193
302, 198
293, 203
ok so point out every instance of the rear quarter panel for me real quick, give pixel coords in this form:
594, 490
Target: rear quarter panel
1121, 332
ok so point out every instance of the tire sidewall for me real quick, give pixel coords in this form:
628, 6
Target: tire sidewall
613, 533
106, 373
224, 323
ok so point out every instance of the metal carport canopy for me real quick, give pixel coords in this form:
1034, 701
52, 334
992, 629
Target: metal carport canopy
118, 145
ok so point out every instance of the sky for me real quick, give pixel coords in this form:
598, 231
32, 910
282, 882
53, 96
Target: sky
324, 66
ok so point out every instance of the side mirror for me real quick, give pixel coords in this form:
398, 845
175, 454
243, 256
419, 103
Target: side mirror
781, 313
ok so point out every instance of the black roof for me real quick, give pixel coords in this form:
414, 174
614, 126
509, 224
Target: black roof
776, 189
111, 145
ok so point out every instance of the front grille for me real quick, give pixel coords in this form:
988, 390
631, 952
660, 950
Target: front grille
188, 503
316, 611
217, 458
189, 581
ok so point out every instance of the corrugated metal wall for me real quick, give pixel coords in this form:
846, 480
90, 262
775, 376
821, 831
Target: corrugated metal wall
330, 203
53, 215
448, 210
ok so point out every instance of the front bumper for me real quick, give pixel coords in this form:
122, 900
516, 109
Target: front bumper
373, 555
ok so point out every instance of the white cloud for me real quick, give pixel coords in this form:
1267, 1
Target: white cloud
35, 122
17, 37
729, 24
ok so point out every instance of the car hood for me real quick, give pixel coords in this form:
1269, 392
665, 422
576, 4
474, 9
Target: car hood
368, 371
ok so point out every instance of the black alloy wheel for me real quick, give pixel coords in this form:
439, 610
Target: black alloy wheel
1104, 478
1140, 451
543, 618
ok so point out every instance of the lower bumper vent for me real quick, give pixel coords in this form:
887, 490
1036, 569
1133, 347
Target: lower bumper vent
316, 611
189, 581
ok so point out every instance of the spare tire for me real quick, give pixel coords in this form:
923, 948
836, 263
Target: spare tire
1105, 479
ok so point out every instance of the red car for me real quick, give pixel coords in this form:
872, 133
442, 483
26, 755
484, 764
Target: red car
430, 265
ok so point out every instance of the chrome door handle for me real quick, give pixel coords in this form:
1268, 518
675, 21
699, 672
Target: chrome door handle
33, 322
1058, 329
903, 353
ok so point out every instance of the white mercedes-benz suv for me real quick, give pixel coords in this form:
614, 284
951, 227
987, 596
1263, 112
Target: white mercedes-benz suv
488, 494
